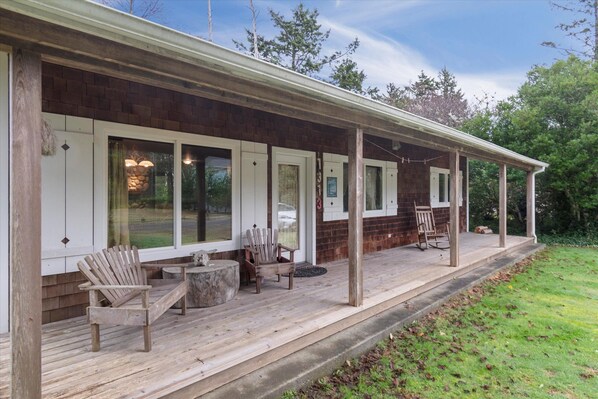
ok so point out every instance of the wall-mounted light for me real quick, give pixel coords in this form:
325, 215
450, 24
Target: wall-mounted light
396, 145
187, 161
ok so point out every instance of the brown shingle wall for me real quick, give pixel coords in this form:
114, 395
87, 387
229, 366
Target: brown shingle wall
79, 93
391, 231
61, 297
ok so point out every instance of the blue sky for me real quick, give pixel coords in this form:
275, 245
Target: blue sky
489, 45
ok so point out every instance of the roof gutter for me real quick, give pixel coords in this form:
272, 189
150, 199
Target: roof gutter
98, 20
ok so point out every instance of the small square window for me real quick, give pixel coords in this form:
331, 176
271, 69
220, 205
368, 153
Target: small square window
373, 188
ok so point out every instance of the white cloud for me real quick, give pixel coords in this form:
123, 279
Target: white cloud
386, 60
498, 84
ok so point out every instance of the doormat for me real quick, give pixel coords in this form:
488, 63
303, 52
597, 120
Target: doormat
309, 271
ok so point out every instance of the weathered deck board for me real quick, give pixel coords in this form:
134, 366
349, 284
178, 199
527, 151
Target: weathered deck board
243, 333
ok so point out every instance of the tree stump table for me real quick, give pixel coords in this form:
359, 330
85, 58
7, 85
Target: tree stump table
208, 285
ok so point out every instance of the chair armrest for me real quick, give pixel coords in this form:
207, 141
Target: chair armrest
287, 248
256, 256
291, 252
86, 287
163, 265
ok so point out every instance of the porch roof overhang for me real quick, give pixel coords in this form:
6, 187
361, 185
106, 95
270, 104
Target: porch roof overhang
93, 37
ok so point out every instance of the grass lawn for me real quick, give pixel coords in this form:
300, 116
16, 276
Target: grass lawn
528, 332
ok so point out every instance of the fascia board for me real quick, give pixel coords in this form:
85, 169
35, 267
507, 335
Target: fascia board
98, 20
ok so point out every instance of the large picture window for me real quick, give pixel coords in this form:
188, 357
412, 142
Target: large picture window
206, 181
168, 193
140, 193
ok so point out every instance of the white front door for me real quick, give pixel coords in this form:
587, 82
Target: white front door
289, 203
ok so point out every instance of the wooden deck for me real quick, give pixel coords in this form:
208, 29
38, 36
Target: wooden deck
195, 353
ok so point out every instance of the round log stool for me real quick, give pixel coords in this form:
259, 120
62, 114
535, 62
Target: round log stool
208, 285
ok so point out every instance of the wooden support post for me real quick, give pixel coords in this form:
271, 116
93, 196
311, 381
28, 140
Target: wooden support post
455, 184
356, 217
25, 225
530, 215
466, 199
502, 205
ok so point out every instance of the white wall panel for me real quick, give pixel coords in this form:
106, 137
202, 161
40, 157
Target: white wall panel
254, 191
67, 199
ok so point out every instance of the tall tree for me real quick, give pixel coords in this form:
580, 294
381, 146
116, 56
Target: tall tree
347, 75
298, 43
554, 118
438, 99
254, 14
396, 96
210, 20
147, 9
425, 86
584, 28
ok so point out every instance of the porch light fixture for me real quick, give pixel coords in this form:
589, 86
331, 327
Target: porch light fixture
135, 158
146, 164
396, 145
187, 161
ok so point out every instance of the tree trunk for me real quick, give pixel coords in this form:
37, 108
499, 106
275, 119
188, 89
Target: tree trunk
256, 52
595, 30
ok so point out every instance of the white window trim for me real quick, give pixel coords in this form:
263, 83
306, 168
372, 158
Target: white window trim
102, 130
374, 212
333, 206
434, 203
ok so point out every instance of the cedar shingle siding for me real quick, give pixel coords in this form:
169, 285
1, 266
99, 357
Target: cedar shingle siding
78, 93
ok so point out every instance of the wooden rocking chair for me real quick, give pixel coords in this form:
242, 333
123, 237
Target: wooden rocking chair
120, 277
263, 256
427, 232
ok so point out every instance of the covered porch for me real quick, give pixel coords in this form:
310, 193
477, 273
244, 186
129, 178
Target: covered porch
209, 347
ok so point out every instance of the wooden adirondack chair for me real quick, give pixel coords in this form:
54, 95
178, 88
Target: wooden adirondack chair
263, 256
427, 231
117, 273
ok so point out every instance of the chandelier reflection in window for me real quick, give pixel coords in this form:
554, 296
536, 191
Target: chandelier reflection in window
138, 179
134, 158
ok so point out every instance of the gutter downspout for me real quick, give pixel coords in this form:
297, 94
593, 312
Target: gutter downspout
531, 202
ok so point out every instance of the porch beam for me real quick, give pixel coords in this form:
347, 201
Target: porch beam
25, 225
355, 153
530, 215
502, 205
455, 182
169, 70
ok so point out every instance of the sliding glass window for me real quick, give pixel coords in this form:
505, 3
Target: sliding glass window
206, 194
140, 193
